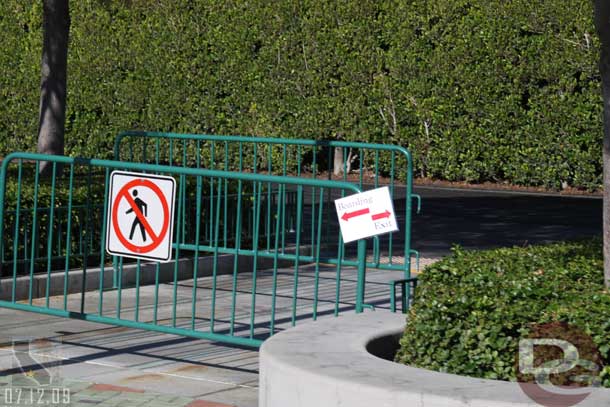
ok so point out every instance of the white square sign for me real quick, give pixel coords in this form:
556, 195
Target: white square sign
140, 216
366, 214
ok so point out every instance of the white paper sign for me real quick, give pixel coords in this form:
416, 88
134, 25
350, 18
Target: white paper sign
366, 214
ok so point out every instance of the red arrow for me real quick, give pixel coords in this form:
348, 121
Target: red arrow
348, 215
381, 215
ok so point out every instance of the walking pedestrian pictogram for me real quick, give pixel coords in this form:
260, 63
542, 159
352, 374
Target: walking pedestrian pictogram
141, 205
140, 216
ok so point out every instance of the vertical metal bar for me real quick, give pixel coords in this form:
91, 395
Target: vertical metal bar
236, 257
34, 234
100, 308
283, 231
360, 167
297, 253
198, 155
340, 254
89, 233
317, 248
156, 300
157, 149
330, 161
269, 197
144, 149
137, 307
60, 231
284, 160
299, 160
408, 200
215, 258
226, 214
376, 248
26, 241
81, 249
344, 163
329, 197
241, 156
119, 289
69, 237
115, 273
376, 251
313, 200
280, 207
50, 234
2, 204
291, 215
184, 198
16, 233
376, 168
257, 200
130, 150
211, 199
37, 253
196, 259
213, 155
361, 275
178, 241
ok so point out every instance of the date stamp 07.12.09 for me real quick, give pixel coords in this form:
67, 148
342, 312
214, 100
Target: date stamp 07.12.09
31, 370
35, 396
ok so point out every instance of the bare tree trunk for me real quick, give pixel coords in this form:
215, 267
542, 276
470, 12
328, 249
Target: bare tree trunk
338, 161
602, 23
343, 164
52, 115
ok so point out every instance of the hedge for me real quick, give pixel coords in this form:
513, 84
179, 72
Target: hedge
472, 308
479, 90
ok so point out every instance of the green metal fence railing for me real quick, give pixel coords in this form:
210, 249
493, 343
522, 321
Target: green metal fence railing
364, 164
240, 302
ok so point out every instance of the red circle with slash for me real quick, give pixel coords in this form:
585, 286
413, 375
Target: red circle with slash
124, 193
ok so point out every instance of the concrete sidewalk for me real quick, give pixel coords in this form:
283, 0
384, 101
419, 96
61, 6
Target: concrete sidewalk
107, 366
19, 389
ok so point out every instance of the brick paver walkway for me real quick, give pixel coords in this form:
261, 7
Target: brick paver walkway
25, 389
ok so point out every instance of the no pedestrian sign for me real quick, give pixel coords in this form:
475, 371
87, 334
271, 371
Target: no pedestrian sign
366, 214
140, 216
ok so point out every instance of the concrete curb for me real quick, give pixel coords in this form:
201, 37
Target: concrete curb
92, 278
326, 363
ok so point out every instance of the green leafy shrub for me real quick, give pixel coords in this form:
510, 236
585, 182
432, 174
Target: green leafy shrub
472, 307
479, 90
32, 233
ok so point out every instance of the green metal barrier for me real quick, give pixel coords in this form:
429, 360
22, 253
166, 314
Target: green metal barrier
79, 225
21, 257
255, 302
303, 158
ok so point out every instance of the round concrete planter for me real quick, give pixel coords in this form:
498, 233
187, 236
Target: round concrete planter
326, 363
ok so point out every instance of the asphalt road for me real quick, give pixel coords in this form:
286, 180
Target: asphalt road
477, 219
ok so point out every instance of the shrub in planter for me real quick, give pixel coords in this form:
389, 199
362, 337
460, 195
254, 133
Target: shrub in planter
472, 308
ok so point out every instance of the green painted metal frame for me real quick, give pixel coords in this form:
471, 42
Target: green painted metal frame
59, 212
194, 146
217, 181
